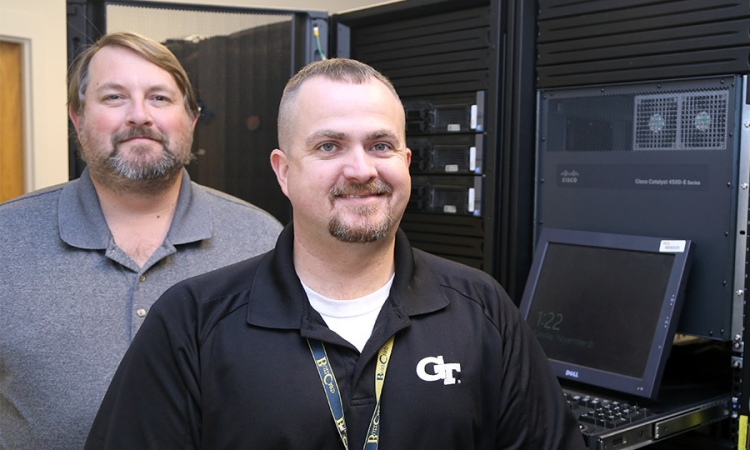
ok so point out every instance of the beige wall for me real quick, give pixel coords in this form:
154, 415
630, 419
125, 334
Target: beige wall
40, 25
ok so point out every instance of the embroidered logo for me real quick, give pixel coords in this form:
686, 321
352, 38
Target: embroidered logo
434, 368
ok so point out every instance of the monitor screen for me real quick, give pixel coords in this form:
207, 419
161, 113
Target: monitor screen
605, 307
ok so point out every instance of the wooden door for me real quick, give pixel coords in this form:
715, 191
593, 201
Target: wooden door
11, 124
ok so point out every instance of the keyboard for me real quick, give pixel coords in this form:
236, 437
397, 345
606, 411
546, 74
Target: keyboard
610, 423
598, 413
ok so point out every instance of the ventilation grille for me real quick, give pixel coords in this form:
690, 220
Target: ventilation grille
453, 155
448, 116
681, 121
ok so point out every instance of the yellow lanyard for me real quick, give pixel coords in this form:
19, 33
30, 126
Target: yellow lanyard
330, 386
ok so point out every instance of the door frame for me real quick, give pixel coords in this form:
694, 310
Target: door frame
27, 153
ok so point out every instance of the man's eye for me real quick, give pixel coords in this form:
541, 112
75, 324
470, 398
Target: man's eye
328, 147
381, 147
161, 98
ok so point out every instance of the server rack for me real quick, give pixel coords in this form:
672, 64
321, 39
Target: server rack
662, 58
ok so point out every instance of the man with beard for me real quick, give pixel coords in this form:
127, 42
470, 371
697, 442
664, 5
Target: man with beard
343, 336
82, 263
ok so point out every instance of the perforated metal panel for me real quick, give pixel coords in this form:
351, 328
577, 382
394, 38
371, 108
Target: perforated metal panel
656, 122
653, 159
681, 121
703, 123
653, 118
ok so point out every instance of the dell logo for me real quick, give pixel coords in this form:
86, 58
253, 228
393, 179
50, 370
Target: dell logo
439, 370
571, 373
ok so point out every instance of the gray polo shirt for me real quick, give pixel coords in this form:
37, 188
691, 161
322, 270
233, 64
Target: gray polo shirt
71, 300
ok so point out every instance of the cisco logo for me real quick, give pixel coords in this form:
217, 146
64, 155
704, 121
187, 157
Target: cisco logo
571, 373
569, 176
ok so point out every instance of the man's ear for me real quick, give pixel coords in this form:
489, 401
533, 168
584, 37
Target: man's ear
280, 165
76, 119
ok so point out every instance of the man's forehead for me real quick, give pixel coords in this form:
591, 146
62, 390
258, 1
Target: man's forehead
104, 57
341, 94
102, 60
111, 51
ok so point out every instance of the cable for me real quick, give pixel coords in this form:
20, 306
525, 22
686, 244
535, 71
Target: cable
316, 32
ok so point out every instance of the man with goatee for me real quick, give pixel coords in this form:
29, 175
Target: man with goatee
343, 336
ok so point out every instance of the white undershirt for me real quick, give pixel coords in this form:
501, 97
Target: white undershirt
353, 319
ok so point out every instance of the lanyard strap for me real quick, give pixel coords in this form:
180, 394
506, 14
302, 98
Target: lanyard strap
331, 387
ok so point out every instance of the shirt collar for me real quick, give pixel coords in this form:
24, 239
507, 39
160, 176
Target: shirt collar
82, 223
279, 301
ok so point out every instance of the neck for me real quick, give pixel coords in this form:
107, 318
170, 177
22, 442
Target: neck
340, 270
138, 220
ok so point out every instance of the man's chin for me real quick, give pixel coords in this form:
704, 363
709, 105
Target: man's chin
145, 167
148, 173
360, 232
358, 237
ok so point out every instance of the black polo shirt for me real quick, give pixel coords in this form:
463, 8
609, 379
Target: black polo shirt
222, 362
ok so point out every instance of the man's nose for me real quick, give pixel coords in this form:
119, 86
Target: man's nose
139, 113
359, 165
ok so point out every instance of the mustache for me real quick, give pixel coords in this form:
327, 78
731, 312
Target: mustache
376, 187
138, 132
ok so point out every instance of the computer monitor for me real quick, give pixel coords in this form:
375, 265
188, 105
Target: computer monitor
605, 306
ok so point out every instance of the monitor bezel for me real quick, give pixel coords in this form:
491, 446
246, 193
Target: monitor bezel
648, 385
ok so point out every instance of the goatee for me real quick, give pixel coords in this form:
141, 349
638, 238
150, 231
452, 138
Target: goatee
369, 231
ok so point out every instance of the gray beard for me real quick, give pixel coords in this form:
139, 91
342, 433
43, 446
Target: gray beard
167, 165
133, 176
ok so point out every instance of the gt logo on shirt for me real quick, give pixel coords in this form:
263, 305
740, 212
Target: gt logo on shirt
439, 370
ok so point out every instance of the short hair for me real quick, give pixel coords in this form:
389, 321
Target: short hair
148, 48
335, 69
